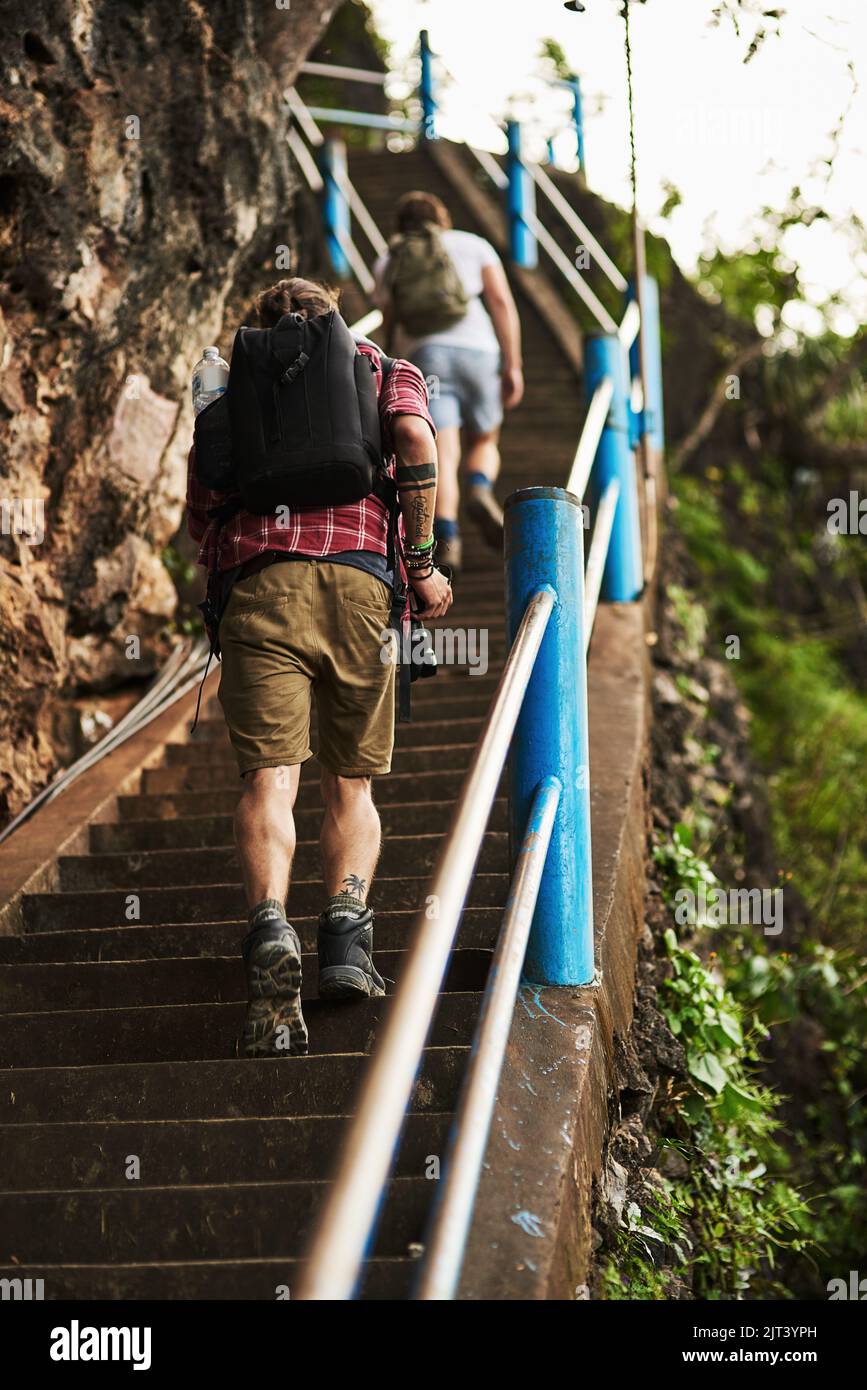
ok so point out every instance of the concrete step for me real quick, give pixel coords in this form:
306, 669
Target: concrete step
444, 758
398, 787
204, 1032
466, 705
314, 1085
223, 1280
149, 868
441, 731
111, 907
215, 1221
193, 1152
122, 984
199, 832
478, 930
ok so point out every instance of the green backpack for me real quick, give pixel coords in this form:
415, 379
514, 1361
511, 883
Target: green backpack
421, 278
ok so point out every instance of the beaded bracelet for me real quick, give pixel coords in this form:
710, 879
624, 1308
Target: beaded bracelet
420, 548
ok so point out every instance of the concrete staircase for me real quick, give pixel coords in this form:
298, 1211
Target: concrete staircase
139, 1158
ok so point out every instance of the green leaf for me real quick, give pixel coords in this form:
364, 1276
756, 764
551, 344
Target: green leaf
706, 1069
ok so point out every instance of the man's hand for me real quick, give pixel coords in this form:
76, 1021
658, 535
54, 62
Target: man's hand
434, 595
513, 387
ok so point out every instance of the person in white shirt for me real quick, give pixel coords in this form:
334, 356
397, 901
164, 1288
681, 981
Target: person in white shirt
473, 371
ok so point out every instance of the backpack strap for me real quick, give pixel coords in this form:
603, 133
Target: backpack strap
286, 347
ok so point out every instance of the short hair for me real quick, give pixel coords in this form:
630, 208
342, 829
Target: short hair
310, 298
417, 209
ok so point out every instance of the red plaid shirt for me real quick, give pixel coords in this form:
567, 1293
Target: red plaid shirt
310, 530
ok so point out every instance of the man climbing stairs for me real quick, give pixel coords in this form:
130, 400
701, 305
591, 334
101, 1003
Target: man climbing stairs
139, 1157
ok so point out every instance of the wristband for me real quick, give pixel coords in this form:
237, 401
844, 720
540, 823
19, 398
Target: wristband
420, 547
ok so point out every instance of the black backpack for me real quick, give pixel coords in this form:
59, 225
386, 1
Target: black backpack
298, 424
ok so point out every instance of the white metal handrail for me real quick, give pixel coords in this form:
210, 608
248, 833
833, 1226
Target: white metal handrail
303, 117
335, 70
357, 206
576, 224
472, 1123
172, 682
588, 443
305, 160
628, 330
598, 554
487, 162
351, 1207
367, 324
570, 274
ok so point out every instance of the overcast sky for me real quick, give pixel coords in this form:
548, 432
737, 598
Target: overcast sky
731, 137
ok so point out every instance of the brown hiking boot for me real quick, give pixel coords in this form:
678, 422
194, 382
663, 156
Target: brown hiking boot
486, 512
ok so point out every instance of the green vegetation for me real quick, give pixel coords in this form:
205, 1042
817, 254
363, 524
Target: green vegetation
809, 722
798, 1194
720, 1228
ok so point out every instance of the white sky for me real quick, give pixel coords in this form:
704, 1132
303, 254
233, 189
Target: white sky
731, 137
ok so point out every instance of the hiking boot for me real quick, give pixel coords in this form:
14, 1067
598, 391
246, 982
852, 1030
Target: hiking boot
274, 1026
450, 553
346, 969
486, 512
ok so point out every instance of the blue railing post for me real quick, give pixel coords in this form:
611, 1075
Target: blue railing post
574, 84
335, 208
521, 202
544, 546
426, 89
654, 416
622, 578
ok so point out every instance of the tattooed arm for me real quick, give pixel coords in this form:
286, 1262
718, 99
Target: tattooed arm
417, 488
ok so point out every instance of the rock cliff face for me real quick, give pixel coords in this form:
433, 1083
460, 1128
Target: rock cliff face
145, 188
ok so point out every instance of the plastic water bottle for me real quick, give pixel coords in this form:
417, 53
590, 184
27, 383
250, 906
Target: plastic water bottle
210, 378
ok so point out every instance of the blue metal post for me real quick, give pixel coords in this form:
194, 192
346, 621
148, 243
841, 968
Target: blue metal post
574, 85
335, 208
654, 416
544, 545
426, 89
521, 198
622, 578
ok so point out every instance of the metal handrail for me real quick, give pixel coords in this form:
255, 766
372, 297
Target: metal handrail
487, 162
171, 683
628, 330
305, 160
576, 224
336, 70
444, 1250
598, 554
570, 274
367, 324
371, 119
491, 167
591, 433
304, 116
350, 1210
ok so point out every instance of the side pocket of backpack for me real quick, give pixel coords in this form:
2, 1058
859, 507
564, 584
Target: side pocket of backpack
213, 439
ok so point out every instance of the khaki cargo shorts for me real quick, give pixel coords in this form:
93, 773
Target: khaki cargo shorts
303, 630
